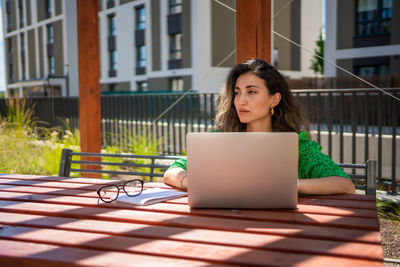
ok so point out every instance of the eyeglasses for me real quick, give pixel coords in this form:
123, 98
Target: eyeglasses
109, 193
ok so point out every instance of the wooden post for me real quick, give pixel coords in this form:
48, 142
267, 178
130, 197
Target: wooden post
89, 76
253, 30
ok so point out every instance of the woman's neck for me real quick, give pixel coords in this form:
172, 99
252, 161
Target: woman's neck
259, 127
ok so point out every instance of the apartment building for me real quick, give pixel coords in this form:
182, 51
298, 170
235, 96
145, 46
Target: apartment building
145, 45
363, 37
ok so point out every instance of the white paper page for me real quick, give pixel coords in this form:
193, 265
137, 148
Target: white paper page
151, 196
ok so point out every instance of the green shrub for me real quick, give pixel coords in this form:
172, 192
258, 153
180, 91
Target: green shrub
388, 210
27, 148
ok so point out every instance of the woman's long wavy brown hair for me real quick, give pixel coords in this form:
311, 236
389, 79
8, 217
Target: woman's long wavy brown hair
288, 115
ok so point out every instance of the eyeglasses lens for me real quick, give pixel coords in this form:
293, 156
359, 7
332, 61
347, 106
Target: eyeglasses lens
109, 193
133, 188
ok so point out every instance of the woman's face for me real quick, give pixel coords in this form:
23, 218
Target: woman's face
253, 102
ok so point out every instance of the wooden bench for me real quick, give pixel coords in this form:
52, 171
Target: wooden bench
368, 178
128, 166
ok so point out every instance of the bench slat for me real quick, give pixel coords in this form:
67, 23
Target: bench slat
119, 172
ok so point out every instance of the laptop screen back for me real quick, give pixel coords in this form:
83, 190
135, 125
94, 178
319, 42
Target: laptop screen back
242, 170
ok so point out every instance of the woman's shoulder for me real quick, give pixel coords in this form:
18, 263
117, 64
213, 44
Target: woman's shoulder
303, 136
306, 141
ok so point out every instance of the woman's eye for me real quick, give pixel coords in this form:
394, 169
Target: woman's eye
236, 93
252, 92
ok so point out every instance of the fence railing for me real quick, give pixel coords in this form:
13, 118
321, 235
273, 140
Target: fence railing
352, 125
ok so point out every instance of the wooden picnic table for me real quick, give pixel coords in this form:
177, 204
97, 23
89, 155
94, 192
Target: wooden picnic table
55, 220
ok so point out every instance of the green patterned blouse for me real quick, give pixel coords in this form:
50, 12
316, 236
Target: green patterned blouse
312, 162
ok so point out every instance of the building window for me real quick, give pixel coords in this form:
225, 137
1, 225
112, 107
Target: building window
21, 13
51, 65
50, 34
8, 11
10, 62
9, 23
112, 26
141, 56
176, 84
112, 58
175, 46
175, 6
22, 42
275, 57
140, 42
48, 8
23, 65
381, 69
373, 17
110, 3
23, 56
50, 56
142, 86
140, 18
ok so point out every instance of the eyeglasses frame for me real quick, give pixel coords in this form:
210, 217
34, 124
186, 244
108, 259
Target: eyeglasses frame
118, 185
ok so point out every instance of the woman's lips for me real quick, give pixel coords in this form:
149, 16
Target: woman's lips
243, 111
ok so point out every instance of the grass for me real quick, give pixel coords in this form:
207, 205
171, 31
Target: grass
19, 132
388, 210
28, 148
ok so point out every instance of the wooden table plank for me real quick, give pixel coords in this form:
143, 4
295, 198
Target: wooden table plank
162, 248
367, 202
170, 205
317, 207
277, 216
80, 180
17, 253
50, 184
338, 203
48, 191
244, 240
355, 197
202, 222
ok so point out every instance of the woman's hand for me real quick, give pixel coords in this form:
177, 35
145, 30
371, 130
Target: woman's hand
176, 177
333, 185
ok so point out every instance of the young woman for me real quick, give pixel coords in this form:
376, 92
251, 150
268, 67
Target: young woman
256, 98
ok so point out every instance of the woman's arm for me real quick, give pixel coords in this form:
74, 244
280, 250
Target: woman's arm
326, 186
176, 177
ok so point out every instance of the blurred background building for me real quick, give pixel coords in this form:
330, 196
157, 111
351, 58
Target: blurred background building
145, 45
363, 37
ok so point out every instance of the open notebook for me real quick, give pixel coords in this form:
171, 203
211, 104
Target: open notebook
151, 196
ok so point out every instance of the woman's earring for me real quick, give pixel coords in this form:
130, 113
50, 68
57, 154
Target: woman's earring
272, 110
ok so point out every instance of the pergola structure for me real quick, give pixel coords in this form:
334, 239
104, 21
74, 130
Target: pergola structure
253, 40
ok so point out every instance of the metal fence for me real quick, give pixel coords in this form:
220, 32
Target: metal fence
353, 125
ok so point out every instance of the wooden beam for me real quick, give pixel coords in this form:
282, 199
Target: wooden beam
253, 30
89, 76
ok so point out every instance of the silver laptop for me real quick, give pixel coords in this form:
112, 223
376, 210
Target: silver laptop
242, 170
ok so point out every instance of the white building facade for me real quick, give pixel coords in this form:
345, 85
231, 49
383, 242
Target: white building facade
145, 45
